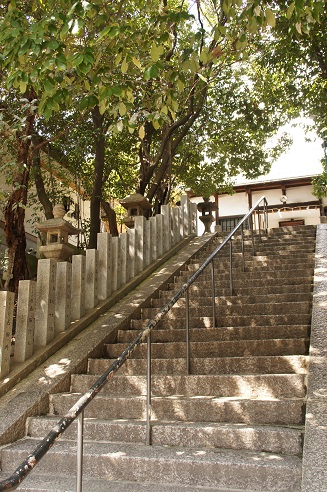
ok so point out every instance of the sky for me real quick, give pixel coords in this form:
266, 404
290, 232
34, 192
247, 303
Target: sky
302, 159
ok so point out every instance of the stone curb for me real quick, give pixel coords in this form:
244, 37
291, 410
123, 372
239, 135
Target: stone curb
314, 468
49, 372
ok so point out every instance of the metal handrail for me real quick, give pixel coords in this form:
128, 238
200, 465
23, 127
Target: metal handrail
77, 411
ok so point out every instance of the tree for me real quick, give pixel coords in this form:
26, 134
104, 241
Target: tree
148, 68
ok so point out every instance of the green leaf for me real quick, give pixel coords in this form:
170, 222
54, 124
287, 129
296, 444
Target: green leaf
137, 63
124, 66
49, 85
141, 132
22, 86
290, 10
271, 19
122, 109
155, 52
151, 72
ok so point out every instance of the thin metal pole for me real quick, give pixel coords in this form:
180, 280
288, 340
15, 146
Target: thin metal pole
258, 212
213, 294
266, 216
187, 299
148, 392
252, 236
231, 265
242, 246
80, 427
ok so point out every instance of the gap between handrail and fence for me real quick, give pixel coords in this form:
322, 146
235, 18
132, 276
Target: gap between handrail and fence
77, 411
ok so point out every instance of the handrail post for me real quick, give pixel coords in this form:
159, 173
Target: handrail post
242, 248
252, 236
231, 265
187, 299
148, 391
80, 429
266, 215
259, 228
213, 294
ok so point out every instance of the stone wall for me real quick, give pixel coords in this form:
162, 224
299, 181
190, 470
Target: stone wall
65, 292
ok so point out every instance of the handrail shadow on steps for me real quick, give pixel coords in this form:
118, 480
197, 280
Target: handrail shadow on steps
77, 410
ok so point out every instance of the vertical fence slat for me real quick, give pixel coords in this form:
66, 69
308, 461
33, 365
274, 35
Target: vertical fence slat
105, 265
123, 240
139, 225
165, 212
91, 278
159, 220
130, 272
45, 302
153, 239
7, 301
25, 320
63, 296
78, 287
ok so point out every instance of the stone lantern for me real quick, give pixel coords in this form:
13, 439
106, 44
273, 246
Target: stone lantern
57, 231
206, 208
135, 205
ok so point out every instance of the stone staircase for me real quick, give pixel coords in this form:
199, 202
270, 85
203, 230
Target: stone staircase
235, 423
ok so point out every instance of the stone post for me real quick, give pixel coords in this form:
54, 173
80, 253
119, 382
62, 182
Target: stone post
153, 239
78, 287
124, 245
91, 278
115, 261
63, 296
165, 212
25, 320
175, 214
45, 302
105, 265
147, 244
185, 205
7, 301
130, 271
159, 221
139, 226
194, 219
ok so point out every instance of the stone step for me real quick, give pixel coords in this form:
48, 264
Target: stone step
218, 334
286, 364
284, 440
235, 348
235, 300
221, 469
233, 409
240, 280
239, 291
36, 482
245, 386
238, 309
225, 321
255, 275
254, 265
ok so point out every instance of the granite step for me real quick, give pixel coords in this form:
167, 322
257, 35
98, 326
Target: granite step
221, 469
239, 291
36, 482
217, 334
238, 410
222, 385
235, 348
270, 439
239, 309
285, 364
240, 281
255, 275
234, 300
230, 320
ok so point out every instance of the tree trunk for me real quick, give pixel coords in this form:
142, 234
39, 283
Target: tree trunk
98, 177
40, 189
111, 216
14, 212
